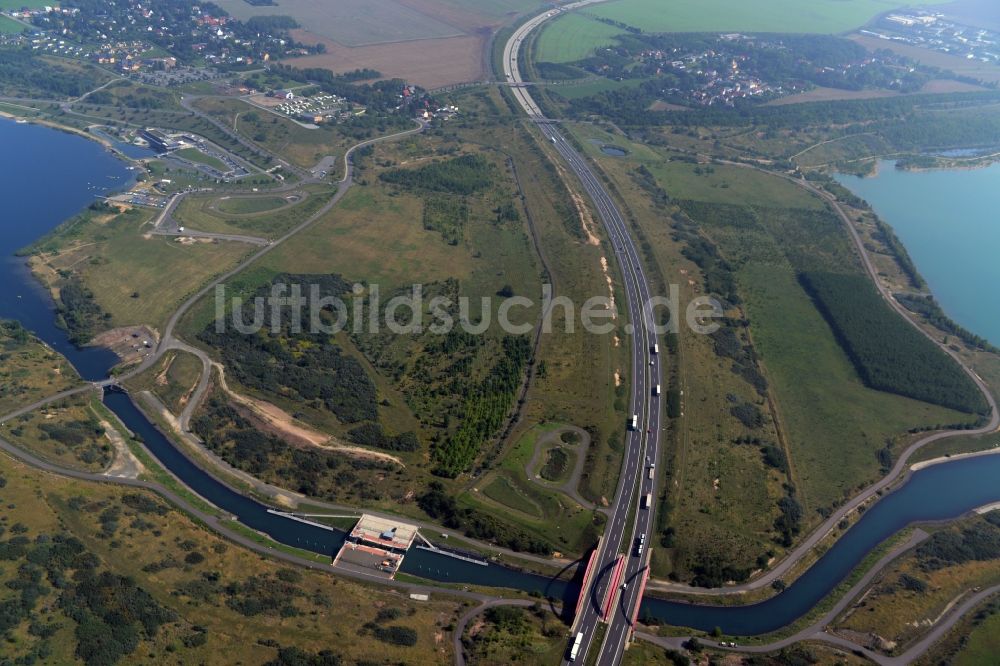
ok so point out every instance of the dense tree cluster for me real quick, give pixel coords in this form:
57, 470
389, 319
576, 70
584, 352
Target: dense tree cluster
485, 411
929, 309
889, 354
25, 73
630, 106
373, 434
303, 366
978, 542
465, 175
77, 311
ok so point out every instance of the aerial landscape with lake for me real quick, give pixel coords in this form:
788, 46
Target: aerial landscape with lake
463, 332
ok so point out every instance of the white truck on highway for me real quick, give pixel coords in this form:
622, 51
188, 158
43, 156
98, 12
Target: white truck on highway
574, 650
633, 423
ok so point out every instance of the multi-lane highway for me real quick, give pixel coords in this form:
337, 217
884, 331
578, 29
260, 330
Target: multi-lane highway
630, 519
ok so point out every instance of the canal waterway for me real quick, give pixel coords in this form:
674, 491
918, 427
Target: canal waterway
46, 176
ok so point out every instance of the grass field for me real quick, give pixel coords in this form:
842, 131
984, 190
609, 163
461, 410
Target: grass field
577, 90
172, 379
267, 217
30, 369
195, 155
137, 278
834, 423
10, 26
982, 645
722, 499
249, 205
18, 4
546, 512
730, 185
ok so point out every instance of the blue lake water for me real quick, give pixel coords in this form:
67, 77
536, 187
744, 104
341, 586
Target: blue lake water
949, 223
47, 176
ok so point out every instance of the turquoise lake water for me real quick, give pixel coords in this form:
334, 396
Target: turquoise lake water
949, 222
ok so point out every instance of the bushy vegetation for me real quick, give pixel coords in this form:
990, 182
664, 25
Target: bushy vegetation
438, 504
311, 471
112, 613
978, 542
299, 365
465, 175
78, 312
928, 308
889, 354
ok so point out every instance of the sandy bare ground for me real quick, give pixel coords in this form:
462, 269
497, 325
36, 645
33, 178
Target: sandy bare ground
128, 341
125, 465
283, 424
429, 63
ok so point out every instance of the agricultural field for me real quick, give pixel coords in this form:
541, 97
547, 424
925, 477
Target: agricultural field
576, 35
354, 22
201, 599
30, 369
820, 16
572, 37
